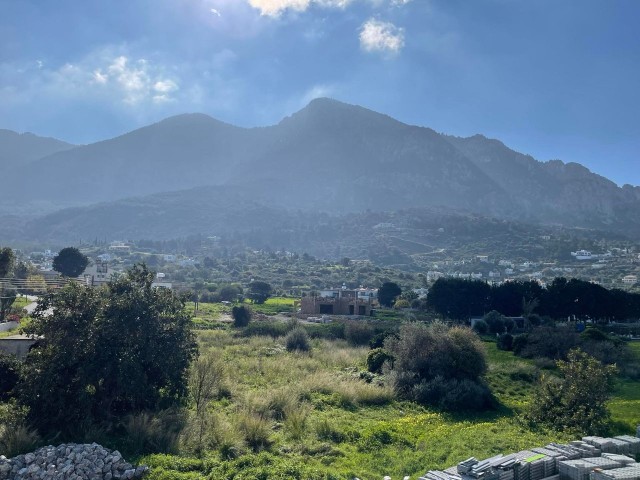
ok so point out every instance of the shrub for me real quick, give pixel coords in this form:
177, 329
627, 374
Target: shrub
15, 436
550, 342
496, 321
505, 342
519, 343
454, 395
376, 358
577, 401
426, 354
481, 327
298, 340
267, 328
358, 332
241, 316
9, 375
401, 303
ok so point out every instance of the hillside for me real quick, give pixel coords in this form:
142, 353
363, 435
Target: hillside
334, 158
413, 238
18, 149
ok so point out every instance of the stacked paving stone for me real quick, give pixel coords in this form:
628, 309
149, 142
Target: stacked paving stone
70, 462
592, 458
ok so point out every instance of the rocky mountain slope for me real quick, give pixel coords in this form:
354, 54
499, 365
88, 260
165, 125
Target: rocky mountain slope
336, 158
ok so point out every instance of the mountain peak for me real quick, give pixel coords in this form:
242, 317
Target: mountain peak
329, 113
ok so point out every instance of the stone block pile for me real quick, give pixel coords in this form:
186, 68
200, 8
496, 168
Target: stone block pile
592, 458
70, 462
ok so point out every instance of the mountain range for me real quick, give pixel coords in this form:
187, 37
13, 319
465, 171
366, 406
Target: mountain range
330, 157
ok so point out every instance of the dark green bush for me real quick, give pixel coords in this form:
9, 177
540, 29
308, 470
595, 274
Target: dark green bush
440, 366
241, 316
376, 358
454, 395
505, 342
481, 327
519, 342
495, 321
9, 375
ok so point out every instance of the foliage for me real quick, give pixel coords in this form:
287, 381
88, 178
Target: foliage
548, 342
241, 315
230, 293
387, 293
376, 358
459, 299
505, 341
298, 339
495, 321
10, 369
481, 327
575, 402
70, 262
429, 356
106, 353
358, 332
259, 291
7, 260
16, 436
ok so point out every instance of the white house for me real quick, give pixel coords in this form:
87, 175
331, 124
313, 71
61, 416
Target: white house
630, 279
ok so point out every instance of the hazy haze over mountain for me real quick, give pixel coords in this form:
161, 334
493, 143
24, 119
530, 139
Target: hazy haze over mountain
331, 157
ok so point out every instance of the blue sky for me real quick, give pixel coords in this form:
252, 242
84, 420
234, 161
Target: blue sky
554, 79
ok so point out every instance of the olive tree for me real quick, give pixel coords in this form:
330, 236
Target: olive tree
106, 353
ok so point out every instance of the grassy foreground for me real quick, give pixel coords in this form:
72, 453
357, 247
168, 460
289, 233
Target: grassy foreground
312, 416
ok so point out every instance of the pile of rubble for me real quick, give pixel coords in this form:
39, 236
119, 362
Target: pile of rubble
592, 458
69, 462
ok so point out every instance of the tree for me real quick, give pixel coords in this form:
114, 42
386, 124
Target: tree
241, 316
459, 299
7, 259
387, 293
70, 262
259, 291
575, 402
106, 353
495, 321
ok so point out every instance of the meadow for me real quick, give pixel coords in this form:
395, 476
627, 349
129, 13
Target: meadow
320, 415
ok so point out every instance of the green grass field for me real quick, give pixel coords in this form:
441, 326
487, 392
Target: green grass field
274, 305
317, 419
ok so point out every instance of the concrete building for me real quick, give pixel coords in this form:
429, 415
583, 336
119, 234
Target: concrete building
341, 301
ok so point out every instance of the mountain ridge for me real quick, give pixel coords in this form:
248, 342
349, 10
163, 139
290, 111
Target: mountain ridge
334, 157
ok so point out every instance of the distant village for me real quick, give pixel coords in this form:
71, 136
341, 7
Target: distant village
611, 267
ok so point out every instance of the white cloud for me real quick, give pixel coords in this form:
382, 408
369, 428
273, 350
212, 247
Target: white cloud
215, 12
273, 8
379, 36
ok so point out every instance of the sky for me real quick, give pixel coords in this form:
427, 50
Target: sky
553, 79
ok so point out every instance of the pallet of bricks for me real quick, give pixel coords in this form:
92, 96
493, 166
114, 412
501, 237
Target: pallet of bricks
592, 458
